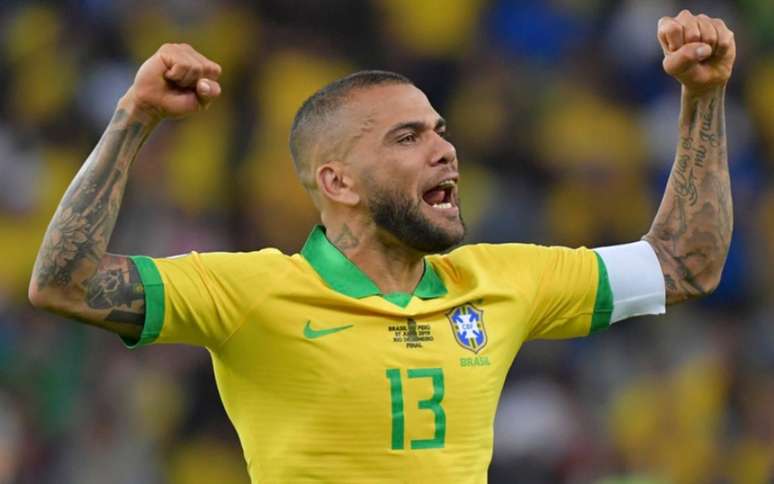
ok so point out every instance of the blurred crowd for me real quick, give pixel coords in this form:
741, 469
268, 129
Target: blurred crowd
566, 127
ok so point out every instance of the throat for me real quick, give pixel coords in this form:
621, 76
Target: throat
389, 263
392, 268
398, 281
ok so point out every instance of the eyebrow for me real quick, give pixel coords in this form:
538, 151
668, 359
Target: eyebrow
440, 123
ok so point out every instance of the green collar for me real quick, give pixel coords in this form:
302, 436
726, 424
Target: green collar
345, 277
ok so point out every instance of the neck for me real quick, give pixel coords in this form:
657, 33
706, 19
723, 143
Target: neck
391, 265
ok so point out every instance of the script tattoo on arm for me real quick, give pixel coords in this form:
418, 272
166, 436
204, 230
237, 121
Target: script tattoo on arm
72, 267
692, 230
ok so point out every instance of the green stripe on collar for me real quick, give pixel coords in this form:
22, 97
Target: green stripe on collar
343, 276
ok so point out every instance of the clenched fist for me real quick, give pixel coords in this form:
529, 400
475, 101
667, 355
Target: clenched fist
699, 51
174, 82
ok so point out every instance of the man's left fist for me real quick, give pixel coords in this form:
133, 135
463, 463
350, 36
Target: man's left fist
699, 51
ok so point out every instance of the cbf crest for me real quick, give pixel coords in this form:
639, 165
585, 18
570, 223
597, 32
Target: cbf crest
467, 323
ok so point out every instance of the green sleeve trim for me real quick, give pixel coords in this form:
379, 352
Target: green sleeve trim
154, 301
603, 306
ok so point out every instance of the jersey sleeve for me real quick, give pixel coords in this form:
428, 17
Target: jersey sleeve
572, 295
561, 292
199, 299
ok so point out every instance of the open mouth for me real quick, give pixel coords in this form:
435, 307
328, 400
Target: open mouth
441, 196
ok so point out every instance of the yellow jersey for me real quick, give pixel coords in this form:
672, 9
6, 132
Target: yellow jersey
327, 380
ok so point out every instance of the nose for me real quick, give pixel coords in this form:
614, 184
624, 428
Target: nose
445, 153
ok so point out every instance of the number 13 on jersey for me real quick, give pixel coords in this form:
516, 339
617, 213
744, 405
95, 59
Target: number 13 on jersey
433, 404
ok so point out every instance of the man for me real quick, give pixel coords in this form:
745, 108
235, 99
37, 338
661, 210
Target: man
368, 357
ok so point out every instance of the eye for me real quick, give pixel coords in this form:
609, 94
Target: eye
444, 134
407, 139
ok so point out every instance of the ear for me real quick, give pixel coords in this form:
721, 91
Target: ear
336, 184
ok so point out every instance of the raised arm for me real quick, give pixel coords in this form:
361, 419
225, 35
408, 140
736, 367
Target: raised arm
691, 233
73, 274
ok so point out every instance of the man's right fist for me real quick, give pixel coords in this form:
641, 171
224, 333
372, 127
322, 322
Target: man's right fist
174, 82
699, 51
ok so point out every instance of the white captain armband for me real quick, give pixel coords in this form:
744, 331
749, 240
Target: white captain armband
636, 279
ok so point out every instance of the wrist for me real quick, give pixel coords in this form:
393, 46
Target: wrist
699, 93
136, 112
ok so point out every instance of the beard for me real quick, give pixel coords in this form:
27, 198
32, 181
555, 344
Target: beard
395, 212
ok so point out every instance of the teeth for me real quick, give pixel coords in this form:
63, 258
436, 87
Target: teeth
442, 205
447, 184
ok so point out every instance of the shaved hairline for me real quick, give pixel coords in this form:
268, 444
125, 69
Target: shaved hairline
315, 117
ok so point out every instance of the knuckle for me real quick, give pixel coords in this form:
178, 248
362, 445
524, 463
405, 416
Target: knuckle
722, 28
669, 28
213, 70
685, 13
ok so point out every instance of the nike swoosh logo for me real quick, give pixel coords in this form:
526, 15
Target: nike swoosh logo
311, 333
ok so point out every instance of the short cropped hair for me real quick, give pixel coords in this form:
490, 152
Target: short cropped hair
320, 107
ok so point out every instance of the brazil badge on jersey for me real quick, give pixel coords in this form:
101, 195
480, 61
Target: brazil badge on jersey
468, 326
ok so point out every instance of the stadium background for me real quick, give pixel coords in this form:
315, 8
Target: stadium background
566, 127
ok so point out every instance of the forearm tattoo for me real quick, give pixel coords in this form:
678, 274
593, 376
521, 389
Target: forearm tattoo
692, 230
73, 248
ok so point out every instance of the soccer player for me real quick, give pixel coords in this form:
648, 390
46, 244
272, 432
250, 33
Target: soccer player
369, 356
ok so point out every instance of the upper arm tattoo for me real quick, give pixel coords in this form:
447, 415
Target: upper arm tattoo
80, 229
72, 267
116, 286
